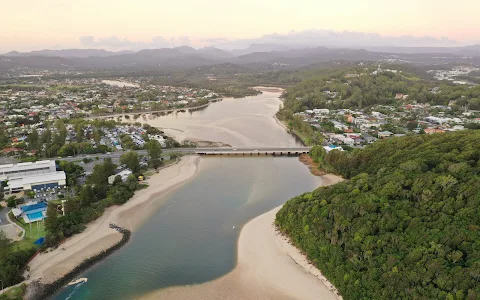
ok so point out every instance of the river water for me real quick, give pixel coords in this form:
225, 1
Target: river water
241, 122
190, 239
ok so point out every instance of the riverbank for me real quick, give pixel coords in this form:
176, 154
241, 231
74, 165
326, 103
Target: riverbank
314, 167
268, 267
292, 132
98, 236
107, 116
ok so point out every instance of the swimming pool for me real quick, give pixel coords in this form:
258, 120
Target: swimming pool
35, 216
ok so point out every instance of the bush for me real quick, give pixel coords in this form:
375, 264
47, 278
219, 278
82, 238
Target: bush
87, 160
12, 201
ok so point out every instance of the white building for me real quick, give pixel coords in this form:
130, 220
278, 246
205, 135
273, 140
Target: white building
123, 175
19, 170
332, 147
37, 182
31, 176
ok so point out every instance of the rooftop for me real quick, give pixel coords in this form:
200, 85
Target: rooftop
36, 179
32, 207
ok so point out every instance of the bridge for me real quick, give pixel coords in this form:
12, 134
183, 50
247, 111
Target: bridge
274, 151
253, 151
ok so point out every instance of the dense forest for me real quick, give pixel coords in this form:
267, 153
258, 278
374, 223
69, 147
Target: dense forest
406, 223
360, 87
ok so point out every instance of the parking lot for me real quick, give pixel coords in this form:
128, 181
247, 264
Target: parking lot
10, 230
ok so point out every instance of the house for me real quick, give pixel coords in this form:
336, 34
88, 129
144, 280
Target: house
384, 134
123, 175
433, 130
401, 96
359, 141
332, 147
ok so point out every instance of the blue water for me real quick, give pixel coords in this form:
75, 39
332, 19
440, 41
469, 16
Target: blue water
35, 216
190, 239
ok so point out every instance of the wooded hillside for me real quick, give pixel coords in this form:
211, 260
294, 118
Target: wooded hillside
405, 226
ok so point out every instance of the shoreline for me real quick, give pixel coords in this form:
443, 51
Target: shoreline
279, 122
49, 266
268, 267
115, 115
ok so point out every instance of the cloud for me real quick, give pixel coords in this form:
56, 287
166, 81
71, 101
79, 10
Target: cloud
330, 38
115, 42
293, 39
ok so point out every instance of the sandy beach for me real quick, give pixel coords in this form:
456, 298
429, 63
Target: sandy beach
49, 266
268, 267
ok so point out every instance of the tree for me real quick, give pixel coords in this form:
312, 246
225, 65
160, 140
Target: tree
70, 206
412, 125
79, 134
12, 201
130, 160
101, 172
62, 131
51, 222
33, 140
154, 149
127, 142
96, 135
46, 136
376, 234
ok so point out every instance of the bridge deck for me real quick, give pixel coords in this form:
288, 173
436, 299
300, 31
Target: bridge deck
252, 151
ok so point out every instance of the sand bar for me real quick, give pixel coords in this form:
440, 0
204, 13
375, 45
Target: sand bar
268, 267
49, 266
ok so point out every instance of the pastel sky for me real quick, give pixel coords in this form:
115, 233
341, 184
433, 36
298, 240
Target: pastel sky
31, 24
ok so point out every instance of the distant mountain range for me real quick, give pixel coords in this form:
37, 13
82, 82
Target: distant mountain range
67, 53
258, 54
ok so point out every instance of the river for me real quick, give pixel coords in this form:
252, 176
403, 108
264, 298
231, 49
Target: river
240, 122
190, 239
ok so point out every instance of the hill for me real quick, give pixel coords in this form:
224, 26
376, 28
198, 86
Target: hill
67, 53
404, 226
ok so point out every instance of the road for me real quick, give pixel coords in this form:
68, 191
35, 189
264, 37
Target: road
3, 215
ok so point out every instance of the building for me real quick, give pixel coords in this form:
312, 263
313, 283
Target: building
31, 212
433, 130
38, 182
332, 147
36, 176
19, 170
384, 134
123, 175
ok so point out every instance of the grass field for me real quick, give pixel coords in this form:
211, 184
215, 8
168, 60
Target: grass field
31, 234
14, 293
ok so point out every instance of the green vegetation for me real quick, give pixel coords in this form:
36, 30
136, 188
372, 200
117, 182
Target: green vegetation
93, 197
13, 256
404, 226
14, 293
32, 233
358, 88
301, 129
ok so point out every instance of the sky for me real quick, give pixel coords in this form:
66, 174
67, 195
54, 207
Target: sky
133, 24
